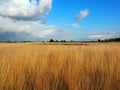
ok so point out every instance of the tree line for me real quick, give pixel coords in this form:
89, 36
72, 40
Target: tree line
52, 40
110, 40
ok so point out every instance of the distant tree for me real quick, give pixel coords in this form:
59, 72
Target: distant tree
99, 40
56, 41
106, 40
72, 40
112, 40
63, 40
8, 41
51, 40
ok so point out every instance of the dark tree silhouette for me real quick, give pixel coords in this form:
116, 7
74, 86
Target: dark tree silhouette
56, 41
99, 40
51, 40
63, 40
112, 40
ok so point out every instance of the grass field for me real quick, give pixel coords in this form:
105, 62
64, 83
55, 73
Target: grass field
42, 66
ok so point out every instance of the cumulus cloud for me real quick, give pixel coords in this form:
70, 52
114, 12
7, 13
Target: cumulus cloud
32, 28
105, 35
17, 19
24, 20
82, 14
11, 29
26, 9
74, 25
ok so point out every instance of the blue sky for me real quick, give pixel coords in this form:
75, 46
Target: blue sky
59, 19
104, 16
107, 11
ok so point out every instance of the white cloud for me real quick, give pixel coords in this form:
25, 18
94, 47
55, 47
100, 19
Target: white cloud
82, 14
18, 21
74, 25
105, 35
32, 28
29, 30
99, 36
14, 15
24, 8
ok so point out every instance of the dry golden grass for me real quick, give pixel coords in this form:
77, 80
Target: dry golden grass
33, 66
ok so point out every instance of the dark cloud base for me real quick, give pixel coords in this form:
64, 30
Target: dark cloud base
18, 37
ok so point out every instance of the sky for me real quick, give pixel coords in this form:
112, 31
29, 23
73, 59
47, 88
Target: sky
38, 20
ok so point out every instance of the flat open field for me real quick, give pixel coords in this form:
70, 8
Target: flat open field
58, 66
